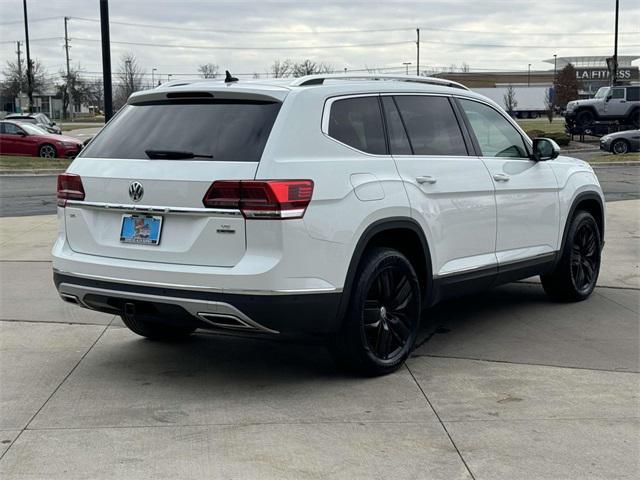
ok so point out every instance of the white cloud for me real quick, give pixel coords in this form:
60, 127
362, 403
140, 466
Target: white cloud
198, 22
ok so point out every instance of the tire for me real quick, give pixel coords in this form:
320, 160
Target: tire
47, 151
156, 331
383, 316
619, 146
635, 118
576, 274
533, 115
585, 118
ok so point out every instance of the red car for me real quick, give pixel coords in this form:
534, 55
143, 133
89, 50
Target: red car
31, 141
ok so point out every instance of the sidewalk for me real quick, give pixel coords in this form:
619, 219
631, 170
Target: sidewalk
503, 385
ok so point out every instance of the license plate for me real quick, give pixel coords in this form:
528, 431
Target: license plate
141, 229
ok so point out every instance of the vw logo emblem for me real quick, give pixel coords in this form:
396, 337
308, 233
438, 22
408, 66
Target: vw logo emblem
136, 191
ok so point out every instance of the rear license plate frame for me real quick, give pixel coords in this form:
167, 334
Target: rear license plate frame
152, 223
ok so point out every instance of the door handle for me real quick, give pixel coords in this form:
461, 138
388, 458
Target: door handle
426, 179
501, 177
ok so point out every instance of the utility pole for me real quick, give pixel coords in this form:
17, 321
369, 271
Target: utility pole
106, 60
19, 53
614, 78
418, 52
406, 64
529, 76
66, 49
153, 83
29, 66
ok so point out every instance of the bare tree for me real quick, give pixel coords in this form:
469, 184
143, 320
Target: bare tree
309, 67
74, 88
208, 70
15, 79
281, 68
129, 78
510, 102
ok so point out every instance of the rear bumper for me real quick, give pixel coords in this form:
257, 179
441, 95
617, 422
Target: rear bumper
308, 313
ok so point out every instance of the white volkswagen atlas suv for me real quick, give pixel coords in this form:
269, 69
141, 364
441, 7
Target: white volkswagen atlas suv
335, 206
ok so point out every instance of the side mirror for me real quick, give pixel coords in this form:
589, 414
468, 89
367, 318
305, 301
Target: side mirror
608, 97
544, 149
21, 133
53, 123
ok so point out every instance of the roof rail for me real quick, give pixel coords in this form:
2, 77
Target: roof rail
319, 79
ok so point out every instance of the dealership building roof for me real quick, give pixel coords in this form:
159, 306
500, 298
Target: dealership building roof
592, 61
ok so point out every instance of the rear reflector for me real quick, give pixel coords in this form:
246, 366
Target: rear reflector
69, 188
268, 199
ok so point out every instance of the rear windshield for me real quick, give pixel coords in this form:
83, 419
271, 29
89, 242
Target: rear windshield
218, 130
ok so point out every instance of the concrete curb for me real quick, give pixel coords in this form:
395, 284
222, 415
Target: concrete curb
20, 173
580, 150
616, 164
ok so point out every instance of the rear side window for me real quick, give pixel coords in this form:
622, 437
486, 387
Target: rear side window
633, 94
357, 122
431, 125
226, 130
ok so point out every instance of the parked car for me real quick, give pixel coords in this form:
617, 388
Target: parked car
29, 140
336, 206
39, 119
621, 142
620, 103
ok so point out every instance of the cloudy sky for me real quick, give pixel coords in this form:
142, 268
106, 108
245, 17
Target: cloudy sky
174, 37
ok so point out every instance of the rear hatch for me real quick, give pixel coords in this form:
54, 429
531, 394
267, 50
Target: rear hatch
145, 175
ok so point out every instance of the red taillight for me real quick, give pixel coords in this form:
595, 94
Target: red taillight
261, 199
69, 188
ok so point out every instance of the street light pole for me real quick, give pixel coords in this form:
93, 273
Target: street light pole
153, 83
418, 52
615, 48
555, 62
106, 60
529, 76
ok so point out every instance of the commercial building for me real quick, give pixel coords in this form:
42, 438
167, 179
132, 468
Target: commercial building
591, 71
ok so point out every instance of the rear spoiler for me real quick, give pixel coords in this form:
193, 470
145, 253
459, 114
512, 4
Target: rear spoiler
224, 91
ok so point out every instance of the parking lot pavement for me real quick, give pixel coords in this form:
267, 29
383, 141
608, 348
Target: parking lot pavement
503, 385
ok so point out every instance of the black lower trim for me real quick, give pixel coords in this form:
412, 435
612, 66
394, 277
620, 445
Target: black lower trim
314, 313
477, 280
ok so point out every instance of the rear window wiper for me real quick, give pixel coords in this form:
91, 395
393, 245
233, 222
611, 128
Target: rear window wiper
173, 155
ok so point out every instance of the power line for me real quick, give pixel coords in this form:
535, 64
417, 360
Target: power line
230, 47
31, 20
45, 39
353, 45
259, 32
330, 31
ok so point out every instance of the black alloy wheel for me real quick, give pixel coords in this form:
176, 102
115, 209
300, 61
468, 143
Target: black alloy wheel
389, 314
383, 317
585, 258
576, 273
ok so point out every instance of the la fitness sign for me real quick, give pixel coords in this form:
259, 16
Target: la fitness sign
603, 73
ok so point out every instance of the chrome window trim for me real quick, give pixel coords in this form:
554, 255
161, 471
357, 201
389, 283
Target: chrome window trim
153, 208
326, 112
324, 122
